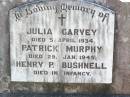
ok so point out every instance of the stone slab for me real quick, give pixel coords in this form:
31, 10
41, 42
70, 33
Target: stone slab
61, 41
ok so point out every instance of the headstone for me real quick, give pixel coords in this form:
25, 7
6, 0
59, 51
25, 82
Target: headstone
61, 41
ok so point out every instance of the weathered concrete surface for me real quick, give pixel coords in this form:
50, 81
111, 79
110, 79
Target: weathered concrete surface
121, 72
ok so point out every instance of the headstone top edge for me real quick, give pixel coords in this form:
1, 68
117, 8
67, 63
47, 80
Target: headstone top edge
61, 1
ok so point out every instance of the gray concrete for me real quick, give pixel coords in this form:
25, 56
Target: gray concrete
121, 71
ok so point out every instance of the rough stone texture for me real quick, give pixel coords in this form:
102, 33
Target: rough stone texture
121, 71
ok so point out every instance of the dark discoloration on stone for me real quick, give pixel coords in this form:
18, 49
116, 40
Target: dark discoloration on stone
121, 71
